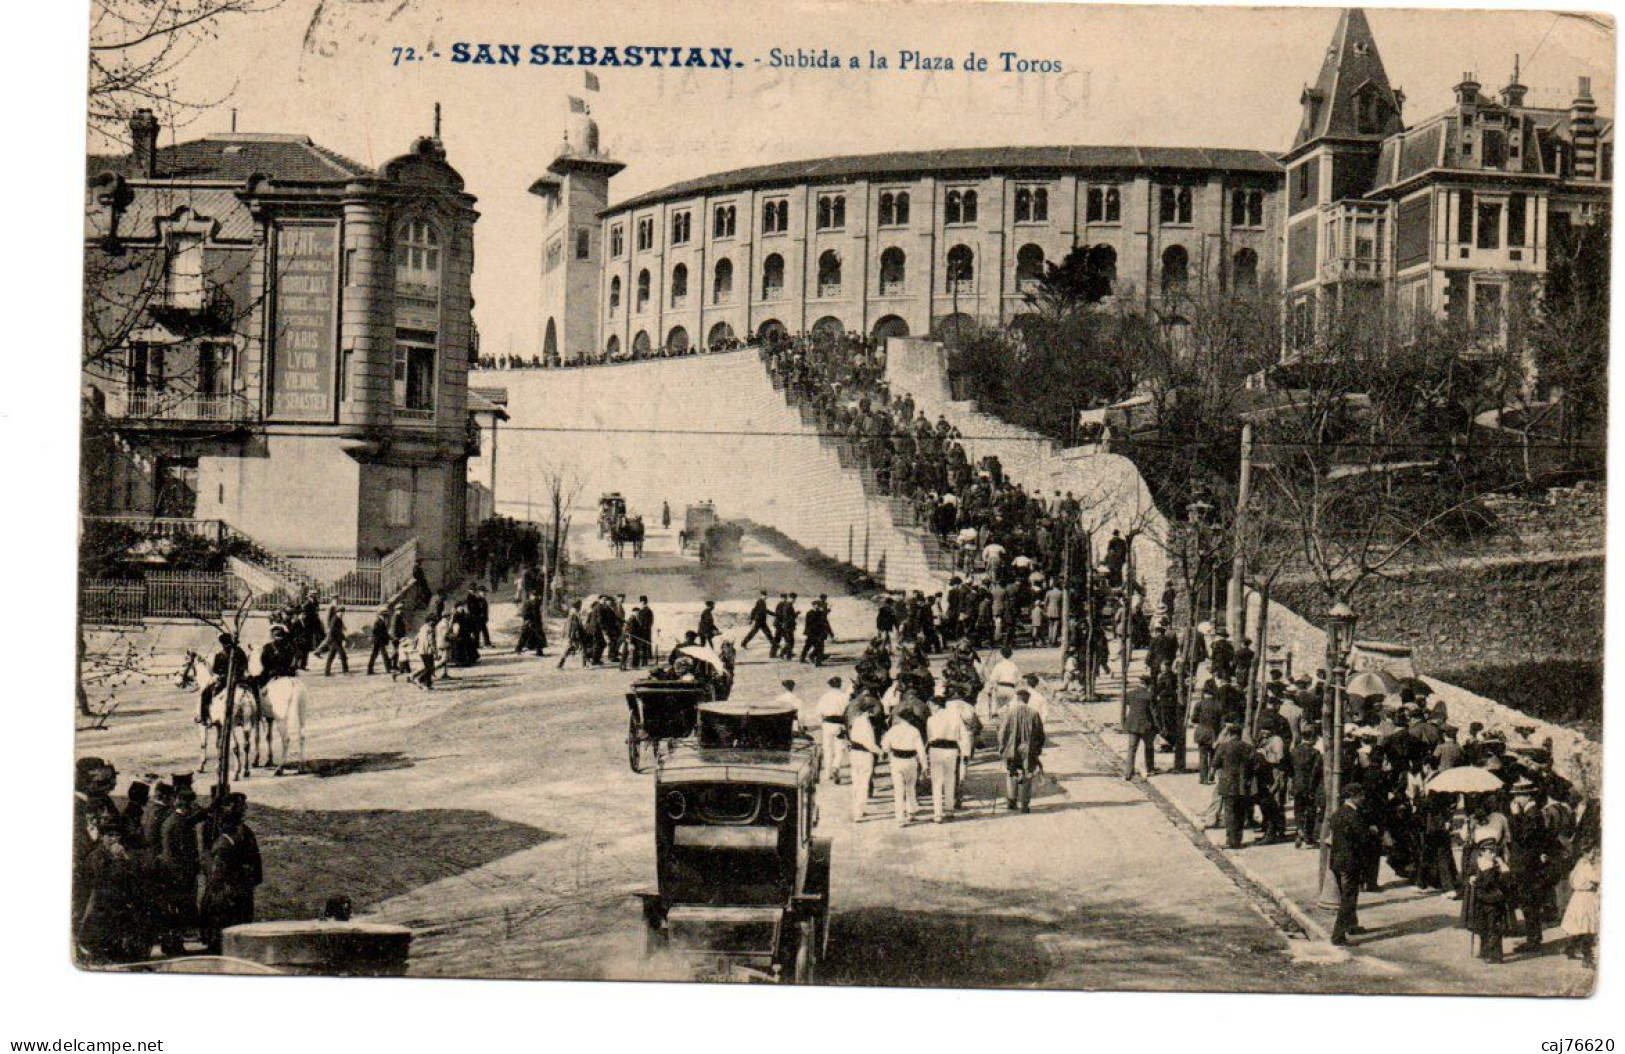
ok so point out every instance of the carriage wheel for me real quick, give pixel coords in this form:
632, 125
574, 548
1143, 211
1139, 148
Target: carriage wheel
634, 748
806, 951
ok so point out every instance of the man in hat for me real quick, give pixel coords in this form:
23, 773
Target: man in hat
831, 712
1308, 787
178, 862
1021, 745
1222, 655
1532, 854
427, 647
1232, 763
93, 783
817, 633
1140, 723
234, 871
479, 614
1352, 844
379, 633
758, 623
706, 631
333, 644
1207, 718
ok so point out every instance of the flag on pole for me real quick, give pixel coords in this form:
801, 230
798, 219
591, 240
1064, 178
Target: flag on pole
577, 105
592, 80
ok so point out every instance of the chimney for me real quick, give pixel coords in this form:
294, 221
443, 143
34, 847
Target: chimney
1583, 129
1467, 91
1512, 95
143, 144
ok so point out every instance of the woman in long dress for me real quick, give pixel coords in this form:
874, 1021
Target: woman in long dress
1581, 918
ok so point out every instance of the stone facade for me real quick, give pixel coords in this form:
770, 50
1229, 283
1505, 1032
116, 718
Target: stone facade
307, 384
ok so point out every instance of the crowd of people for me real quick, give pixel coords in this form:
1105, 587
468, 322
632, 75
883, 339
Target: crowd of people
164, 872
670, 351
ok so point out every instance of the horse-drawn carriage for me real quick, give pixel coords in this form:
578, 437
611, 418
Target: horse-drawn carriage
743, 886
611, 511
662, 708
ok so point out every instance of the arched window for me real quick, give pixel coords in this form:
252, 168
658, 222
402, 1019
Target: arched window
961, 269
775, 216
831, 211
960, 207
772, 330
828, 330
772, 277
722, 282
640, 345
550, 342
829, 273
1029, 267
677, 340
612, 347
721, 333
1032, 205
417, 261
889, 326
902, 208
1175, 269
614, 295
888, 209
682, 227
893, 272
1244, 270
679, 285
723, 226
643, 292
1174, 205
1102, 263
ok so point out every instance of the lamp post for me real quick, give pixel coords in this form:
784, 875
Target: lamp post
1340, 622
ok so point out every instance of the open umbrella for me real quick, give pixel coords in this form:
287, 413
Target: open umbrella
704, 654
1373, 682
1465, 779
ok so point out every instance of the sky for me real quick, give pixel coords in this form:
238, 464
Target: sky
1156, 76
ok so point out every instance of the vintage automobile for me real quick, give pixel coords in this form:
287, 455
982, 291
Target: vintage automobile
611, 511
722, 545
743, 886
696, 520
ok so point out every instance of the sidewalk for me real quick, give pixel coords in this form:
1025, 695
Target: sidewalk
1410, 931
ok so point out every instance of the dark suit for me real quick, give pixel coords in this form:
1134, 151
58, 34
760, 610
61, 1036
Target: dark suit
758, 624
1351, 847
1308, 790
1231, 759
1140, 722
1207, 718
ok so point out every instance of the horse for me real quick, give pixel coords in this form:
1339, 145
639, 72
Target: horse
245, 722
283, 705
628, 531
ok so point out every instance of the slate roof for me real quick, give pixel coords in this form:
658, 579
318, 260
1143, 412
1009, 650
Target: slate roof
969, 160
236, 156
1351, 64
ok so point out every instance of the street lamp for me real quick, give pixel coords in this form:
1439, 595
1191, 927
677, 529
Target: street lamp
1340, 622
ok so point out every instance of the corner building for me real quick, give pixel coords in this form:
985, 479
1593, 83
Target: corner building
277, 340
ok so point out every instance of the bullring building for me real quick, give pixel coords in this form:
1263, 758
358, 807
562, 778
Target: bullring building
1452, 215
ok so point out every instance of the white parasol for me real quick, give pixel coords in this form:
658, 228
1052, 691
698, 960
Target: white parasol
704, 654
1373, 682
1465, 779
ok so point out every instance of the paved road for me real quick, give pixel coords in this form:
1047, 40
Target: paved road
496, 816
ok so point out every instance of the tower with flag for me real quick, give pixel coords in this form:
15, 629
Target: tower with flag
574, 190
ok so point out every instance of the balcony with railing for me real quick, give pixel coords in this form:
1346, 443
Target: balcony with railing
1356, 242
167, 406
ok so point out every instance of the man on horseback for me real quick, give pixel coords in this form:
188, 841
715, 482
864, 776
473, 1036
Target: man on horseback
229, 666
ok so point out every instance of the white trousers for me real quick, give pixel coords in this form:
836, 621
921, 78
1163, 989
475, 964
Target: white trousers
944, 780
905, 772
834, 750
863, 770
